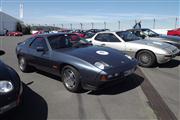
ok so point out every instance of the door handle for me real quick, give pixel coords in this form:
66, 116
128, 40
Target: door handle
103, 44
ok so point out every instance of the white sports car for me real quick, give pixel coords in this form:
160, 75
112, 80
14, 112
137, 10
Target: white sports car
146, 52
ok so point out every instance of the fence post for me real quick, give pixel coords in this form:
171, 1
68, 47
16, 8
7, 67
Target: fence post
176, 22
104, 25
154, 23
92, 24
81, 26
71, 26
119, 25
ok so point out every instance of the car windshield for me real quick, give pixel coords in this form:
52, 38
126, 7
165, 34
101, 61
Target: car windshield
67, 41
127, 36
149, 33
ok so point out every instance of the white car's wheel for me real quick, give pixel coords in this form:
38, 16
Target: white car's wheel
146, 58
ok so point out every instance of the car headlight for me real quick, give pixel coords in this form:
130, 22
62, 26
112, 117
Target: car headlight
5, 86
101, 65
129, 57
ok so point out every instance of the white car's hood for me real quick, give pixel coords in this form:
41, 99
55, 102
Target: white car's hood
153, 43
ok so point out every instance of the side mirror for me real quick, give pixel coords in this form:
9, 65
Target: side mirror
143, 36
40, 49
2, 52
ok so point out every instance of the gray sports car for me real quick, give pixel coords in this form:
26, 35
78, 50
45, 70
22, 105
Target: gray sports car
77, 62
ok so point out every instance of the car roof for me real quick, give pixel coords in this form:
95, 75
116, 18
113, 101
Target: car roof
52, 34
112, 31
138, 29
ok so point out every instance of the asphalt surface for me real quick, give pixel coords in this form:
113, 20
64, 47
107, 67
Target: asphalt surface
166, 80
45, 97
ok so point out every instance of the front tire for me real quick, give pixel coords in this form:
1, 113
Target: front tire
146, 58
71, 79
23, 64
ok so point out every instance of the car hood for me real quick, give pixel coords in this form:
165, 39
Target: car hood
166, 38
94, 54
4, 72
152, 43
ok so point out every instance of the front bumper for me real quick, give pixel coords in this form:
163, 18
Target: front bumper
166, 58
117, 74
12, 104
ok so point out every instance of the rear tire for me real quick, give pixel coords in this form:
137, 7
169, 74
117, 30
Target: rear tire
23, 65
146, 58
71, 79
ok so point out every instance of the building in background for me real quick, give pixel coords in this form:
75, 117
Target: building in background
8, 22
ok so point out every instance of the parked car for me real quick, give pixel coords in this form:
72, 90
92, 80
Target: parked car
10, 87
148, 34
14, 34
147, 52
96, 30
79, 64
175, 32
89, 35
82, 35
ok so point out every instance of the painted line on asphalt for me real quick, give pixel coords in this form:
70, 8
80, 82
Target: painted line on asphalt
156, 102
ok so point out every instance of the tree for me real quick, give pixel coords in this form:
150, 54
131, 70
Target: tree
19, 27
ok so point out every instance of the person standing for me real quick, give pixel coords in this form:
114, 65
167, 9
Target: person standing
137, 25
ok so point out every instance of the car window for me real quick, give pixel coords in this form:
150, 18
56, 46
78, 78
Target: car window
150, 33
127, 36
59, 41
107, 37
39, 42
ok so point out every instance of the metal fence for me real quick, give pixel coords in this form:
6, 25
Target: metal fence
166, 23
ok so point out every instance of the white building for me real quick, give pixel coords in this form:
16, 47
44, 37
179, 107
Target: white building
7, 22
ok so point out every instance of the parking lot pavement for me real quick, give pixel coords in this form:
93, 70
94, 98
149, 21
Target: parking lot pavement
45, 97
166, 80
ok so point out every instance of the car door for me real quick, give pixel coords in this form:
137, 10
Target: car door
109, 40
40, 54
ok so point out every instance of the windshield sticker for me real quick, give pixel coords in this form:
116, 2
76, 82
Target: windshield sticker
100, 52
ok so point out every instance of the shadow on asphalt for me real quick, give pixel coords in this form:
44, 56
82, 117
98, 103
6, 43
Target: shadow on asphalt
171, 64
129, 83
33, 107
110, 88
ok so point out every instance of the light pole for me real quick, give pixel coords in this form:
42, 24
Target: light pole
1, 5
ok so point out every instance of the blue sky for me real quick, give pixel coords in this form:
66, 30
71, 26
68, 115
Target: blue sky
97, 11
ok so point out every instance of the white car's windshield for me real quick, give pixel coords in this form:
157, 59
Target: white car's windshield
127, 36
149, 33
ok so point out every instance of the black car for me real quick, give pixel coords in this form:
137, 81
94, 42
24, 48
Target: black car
148, 34
79, 64
10, 88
